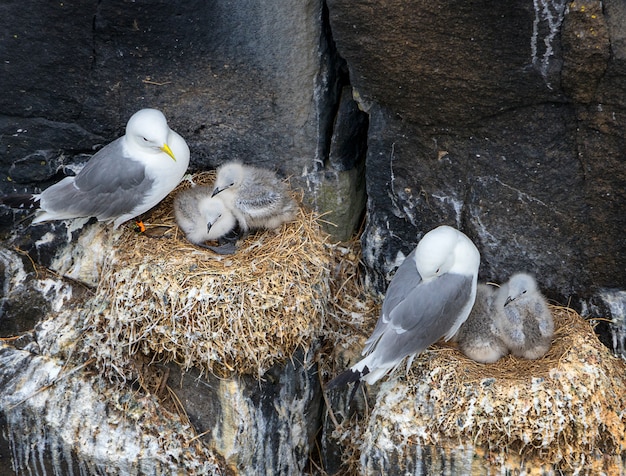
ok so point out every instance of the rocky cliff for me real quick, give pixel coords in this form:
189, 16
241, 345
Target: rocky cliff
504, 119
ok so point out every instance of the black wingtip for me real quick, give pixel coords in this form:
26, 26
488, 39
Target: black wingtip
20, 201
347, 377
343, 379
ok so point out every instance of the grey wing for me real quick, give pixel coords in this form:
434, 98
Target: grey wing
110, 171
546, 324
433, 306
513, 314
424, 317
512, 325
110, 185
259, 200
404, 281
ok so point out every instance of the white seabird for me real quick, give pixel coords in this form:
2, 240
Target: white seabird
526, 325
122, 180
202, 217
478, 337
256, 196
429, 297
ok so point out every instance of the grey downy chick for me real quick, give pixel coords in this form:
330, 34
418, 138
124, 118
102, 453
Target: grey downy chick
526, 325
257, 197
205, 218
478, 337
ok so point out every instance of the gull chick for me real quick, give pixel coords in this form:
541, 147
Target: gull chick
525, 322
122, 180
478, 337
203, 217
429, 297
257, 197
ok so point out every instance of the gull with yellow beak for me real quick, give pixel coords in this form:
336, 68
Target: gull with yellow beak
122, 180
429, 298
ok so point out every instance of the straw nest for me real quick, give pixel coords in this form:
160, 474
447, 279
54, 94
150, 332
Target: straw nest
565, 410
164, 297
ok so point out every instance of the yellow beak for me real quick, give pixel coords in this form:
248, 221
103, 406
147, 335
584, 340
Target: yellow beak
168, 151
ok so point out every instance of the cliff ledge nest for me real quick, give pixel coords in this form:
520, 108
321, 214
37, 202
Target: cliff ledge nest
164, 297
565, 410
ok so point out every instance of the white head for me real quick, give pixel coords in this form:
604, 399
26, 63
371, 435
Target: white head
218, 218
229, 175
518, 285
147, 130
445, 250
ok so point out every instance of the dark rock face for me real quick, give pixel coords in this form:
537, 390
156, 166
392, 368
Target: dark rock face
516, 138
499, 187
267, 426
434, 63
235, 82
260, 83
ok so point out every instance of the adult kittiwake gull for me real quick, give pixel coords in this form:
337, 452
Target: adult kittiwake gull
122, 180
203, 217
256, 196
478, 337
429, 297
526, 324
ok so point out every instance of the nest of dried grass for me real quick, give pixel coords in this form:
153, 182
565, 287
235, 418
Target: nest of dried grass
238, 313
564, 410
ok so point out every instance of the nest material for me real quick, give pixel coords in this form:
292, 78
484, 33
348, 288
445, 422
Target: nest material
242, 312
565, 410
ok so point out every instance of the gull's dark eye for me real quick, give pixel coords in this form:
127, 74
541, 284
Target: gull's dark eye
145, 140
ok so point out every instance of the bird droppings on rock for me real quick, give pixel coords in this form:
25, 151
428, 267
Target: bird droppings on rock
563, 412
236, 314
61, 420
557, 413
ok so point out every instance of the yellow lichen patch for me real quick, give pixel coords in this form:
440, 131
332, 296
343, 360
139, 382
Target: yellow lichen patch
566, 410
244, 312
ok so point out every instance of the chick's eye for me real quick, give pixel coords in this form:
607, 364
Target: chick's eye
145, 140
